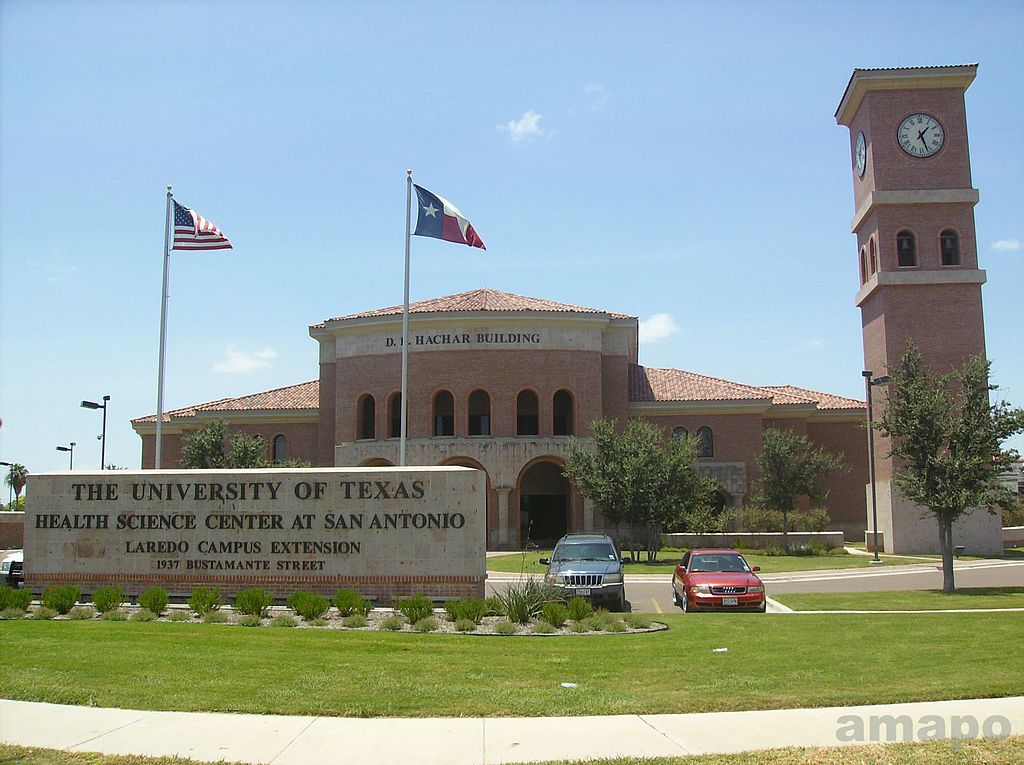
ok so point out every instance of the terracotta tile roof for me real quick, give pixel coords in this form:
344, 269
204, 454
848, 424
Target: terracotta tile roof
480, 300
649, 384
302, 396
823, 400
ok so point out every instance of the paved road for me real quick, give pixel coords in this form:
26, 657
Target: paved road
651, 593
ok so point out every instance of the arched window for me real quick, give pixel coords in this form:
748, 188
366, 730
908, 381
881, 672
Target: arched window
280, 448
444, 413
527, 418
680, 432
562, 414
949, 245
906, 249
705, 442
367, 415
873, 259
479, 413
863, 264
395, 415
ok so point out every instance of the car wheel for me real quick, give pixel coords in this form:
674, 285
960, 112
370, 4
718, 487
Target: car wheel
675, 597
764, 607
620, 604
684, 605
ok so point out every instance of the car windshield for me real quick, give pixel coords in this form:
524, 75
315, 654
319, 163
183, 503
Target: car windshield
718, 562
585, 551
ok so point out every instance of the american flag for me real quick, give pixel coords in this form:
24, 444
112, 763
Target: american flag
194, 232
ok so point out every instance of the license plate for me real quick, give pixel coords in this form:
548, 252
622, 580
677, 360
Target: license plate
730, 601
586, 591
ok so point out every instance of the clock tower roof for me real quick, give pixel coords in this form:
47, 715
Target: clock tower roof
901, 78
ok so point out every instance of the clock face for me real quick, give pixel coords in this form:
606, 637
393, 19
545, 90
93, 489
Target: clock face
920, 135
860, 155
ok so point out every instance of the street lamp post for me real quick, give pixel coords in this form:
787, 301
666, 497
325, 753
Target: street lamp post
70, 449
869, 383
103, 438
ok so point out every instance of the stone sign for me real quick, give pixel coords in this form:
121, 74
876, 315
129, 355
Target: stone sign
384, 532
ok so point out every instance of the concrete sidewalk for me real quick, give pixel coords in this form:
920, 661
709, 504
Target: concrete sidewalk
284, 740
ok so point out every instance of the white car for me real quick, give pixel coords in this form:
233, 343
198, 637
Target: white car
11, 569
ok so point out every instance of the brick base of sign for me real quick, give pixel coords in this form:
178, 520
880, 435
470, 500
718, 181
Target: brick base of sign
380, 589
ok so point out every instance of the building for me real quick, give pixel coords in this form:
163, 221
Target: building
500, 382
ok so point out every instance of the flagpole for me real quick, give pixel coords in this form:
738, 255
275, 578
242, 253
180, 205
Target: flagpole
405, 323
163, 332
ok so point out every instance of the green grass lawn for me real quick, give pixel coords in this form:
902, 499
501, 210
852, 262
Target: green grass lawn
969, 752
912, 600
772, 661
667, 560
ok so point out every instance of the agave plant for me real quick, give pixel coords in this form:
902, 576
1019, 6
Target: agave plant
524, 601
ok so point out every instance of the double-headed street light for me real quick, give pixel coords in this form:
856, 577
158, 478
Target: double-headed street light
70, 449
103, 437
869, 383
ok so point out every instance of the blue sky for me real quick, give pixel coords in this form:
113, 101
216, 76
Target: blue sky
660, 159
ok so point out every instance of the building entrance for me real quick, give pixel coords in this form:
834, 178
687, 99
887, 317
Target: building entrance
543, 504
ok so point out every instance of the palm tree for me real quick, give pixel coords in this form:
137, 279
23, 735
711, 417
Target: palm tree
16, 477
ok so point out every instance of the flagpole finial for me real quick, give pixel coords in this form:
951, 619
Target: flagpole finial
409, 172
168, 188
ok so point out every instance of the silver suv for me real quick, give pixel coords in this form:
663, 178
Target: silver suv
588, 565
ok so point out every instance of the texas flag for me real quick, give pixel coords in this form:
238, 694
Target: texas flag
439, 218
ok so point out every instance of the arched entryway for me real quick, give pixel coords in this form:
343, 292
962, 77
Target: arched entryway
543, 503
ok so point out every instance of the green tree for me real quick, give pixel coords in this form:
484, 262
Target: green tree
639, 476
205, 450
947, 438
248, 452
17, 476
791, 467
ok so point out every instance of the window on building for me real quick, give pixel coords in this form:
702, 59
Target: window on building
562, 414
863, 265
395, 415
680, 432
705, 442
479, 413
280, 448
444, 414
906, 249
367, 416
527, 409
949, 245
872, 257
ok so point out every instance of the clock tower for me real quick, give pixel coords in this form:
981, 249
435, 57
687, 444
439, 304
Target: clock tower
916, 257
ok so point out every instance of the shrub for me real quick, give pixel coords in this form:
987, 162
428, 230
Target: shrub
19, 599
544, 628
701, 520
204, 600
474, 609
415, 607
215, 617
817, 520
114, 615
254, 601
492, 606
579, 608
318, 622
155, 599
638, 621
81, 613
282, 620
838, 551
178, 615
354, 621
12, 613
506, 628
554, 614
616, 626
583, 625
5, 592
44, 612
524, 601
451, 610
426, 624
349, 602
465, 625
391, 623
143, 615
250, 621
755, 518
60, 599
308, 605
107, 598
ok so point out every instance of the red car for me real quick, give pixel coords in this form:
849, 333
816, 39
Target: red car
717, 580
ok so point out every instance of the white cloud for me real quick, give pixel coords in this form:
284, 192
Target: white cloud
1007, 245
236, 362
525, 128
658, 327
